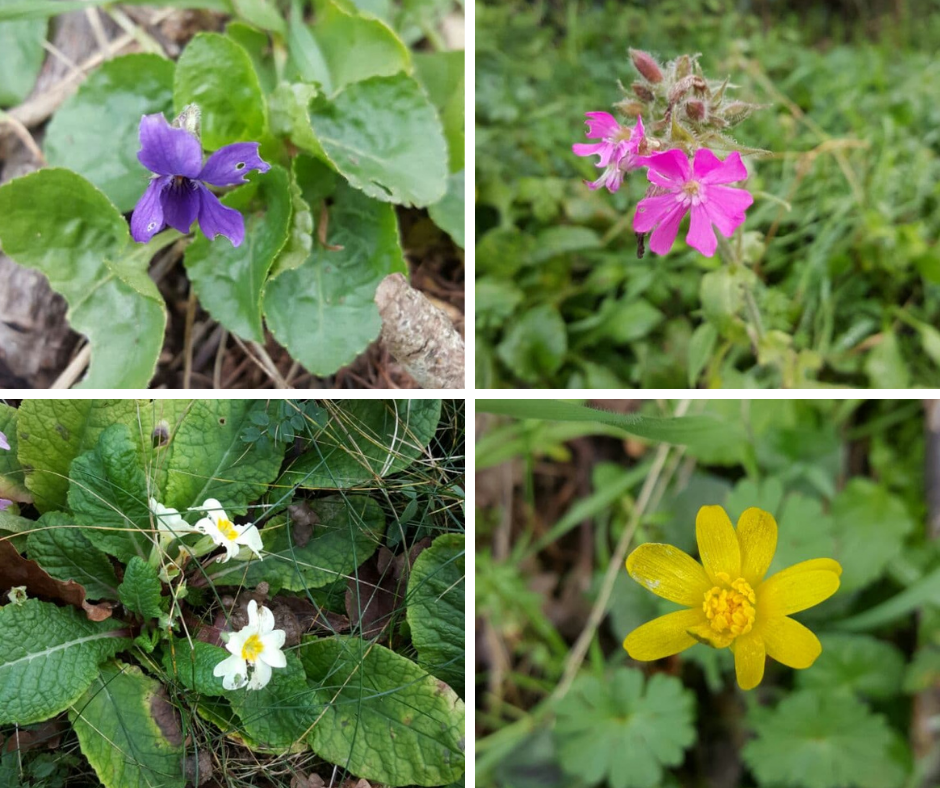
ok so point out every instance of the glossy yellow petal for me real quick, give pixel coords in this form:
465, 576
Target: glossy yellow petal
789, 642
749, 659
663, 636
670, 573
717, 543
704, 633
790, 592
757, 536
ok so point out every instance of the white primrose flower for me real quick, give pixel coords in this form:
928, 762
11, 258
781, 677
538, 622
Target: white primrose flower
258, 644
169, 521
224, 532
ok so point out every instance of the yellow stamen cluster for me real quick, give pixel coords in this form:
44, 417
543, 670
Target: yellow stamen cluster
252, 648
731, 610
227, 529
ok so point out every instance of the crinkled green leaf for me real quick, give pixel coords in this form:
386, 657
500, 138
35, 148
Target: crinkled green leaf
53, 432
365, 439
823, 740
109, 495
192, 665
277, 715
625, 730
229, 280
95, 132
140, 590
57, 223
217, 74
385, 720
288, 109
324, 311
353, 47
857, 663
870, 524
23, 53
385, 137
300, 233
12, 476
349, 531
128, 730
49, 656
208, 459
436, 609
448, 214
442, 76
60, 546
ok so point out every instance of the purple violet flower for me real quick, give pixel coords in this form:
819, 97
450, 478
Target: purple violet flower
177, 194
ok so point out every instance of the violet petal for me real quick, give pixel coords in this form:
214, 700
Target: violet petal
168, 151
217, 219
228, 165
147, 219
181, 204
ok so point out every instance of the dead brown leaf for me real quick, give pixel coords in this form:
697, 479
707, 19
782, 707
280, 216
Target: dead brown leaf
303, 519
310, 781
166, 717
18, 571
198, 769
48, 735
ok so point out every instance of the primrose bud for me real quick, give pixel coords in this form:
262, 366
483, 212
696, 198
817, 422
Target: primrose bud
695, 110
646, 65
642, 92
188, 119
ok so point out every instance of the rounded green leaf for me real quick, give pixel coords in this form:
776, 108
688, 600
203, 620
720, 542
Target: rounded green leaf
442, 76
128, 730
95, 132
59, 224
436, 609
140, 591
229, 280
385, 137
535, 345
385, 720
21, 45
217, 74
448, 214
348, 532
323, 311
49, 655
193, 665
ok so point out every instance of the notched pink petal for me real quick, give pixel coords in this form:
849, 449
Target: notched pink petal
733, 202
664, 235
601, 124
603, 149
672, 164
710, 169
700, 235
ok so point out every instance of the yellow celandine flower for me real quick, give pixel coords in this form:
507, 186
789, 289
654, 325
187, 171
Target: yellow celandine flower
730, 604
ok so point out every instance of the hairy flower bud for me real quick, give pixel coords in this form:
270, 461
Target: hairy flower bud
631, 109
646, 65
695, 110
642, 92
683, 67
737, 111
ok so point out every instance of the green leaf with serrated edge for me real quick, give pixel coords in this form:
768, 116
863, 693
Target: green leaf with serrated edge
229, 280
217, 74
350, 47
279, 714
15, 529
349, 531
823, 740
49, 655
192, 665
448, 214
624, 731
442, 76
140, 591
364, 440
324, 311
95, 132
23, 53
208, 458
857, 663
385, 720
128, 730
108, 494
53, 432
436, 609
300, 237
385, 137
57, 223
287, 105
12, 476
60, 547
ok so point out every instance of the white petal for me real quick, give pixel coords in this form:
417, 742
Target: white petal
234, 681
231, 550
236, 641
260, 677
267, 620
210, 529
214, 509
253, 614
251, 538
274, 639
273, 657
231, 666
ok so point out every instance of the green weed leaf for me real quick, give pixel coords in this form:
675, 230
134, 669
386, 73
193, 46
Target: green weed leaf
23, 53
193, 665
140, 591
855, 663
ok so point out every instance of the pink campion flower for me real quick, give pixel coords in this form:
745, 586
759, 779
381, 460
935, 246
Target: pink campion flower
617, 152
697, 188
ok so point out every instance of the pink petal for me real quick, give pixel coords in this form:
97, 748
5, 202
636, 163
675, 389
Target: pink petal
664, 236
710, 169
651, 210
659, 180
602, 149
601, 124
700, 235
719, 215
672, 164
733, 202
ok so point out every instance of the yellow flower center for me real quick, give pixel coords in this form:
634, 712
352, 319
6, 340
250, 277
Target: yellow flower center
730, 610
252, 648
228, 530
